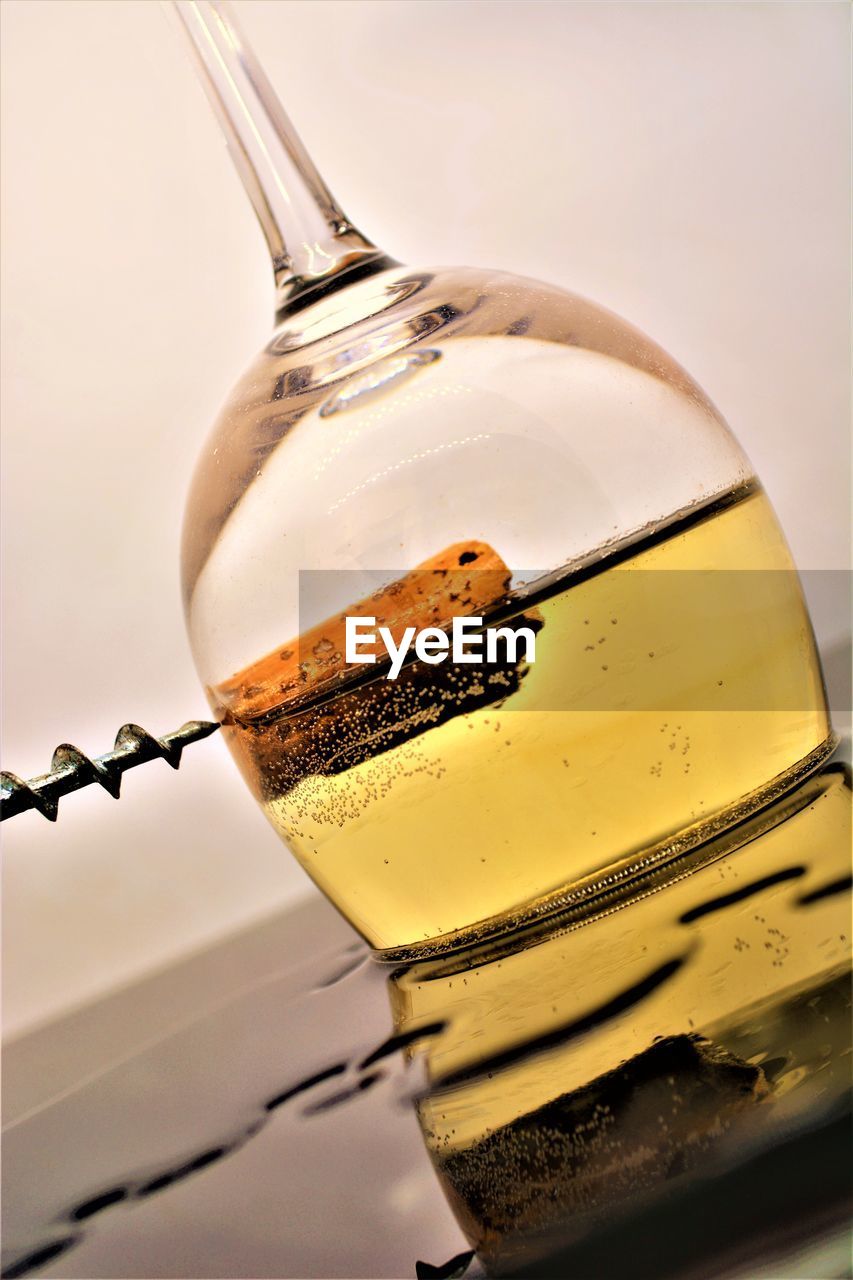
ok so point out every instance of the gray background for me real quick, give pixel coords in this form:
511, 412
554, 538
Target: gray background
686, 165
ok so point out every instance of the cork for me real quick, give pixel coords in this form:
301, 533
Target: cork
465, 579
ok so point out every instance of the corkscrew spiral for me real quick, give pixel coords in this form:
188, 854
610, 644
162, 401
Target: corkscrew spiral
71, 769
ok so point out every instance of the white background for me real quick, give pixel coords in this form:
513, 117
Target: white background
687, 165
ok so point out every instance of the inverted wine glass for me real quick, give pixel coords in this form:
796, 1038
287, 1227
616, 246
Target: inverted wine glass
415, 444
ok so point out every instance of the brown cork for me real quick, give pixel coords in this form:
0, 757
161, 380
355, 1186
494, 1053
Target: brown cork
463, 580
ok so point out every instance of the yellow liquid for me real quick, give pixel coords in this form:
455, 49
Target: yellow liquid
581, 1068
668, 699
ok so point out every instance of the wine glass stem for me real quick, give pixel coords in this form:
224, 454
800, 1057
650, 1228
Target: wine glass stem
309, 237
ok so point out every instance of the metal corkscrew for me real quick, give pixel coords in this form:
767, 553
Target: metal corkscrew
71, 769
